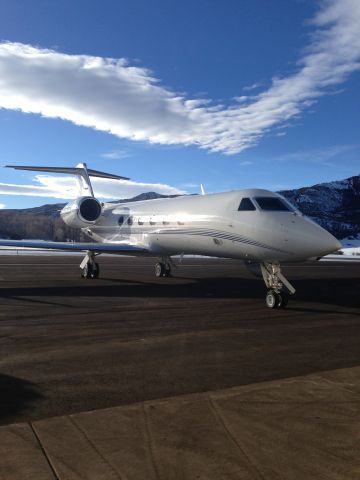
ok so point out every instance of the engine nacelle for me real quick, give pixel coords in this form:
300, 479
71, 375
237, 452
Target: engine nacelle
82, 212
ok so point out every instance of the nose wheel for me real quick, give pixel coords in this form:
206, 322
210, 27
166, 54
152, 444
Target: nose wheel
279, 287
276, 299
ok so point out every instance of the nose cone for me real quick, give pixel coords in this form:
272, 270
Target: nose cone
327, 243
320, 241
310, 240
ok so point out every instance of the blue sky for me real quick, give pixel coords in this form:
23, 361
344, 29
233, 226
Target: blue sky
278, 81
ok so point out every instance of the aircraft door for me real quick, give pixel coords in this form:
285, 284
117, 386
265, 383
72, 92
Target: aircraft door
125, 222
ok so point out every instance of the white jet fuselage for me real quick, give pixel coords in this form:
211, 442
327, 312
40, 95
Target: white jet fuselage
212, 225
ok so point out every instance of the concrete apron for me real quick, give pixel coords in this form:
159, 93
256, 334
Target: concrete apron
298, 428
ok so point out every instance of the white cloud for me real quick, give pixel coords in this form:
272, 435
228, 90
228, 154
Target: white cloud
2, 205
66, 188
190, 185
254, 86
116, 155
246, 163
242, 98
127, 101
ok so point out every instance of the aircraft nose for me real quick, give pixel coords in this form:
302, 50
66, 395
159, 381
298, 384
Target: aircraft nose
328, 242
313, 240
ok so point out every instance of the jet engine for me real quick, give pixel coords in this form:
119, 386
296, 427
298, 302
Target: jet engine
82, 212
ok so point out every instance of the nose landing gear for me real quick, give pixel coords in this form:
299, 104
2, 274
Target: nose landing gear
279, 287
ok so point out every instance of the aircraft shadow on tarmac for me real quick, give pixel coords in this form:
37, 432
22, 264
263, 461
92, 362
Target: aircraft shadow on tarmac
341, 292
16, 396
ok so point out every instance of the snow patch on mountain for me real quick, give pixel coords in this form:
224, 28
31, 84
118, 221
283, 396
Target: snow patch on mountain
333, 205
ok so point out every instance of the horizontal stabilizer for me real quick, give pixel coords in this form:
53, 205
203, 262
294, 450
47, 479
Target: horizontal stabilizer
70, 170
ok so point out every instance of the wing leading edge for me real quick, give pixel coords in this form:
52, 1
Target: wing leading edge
76, 247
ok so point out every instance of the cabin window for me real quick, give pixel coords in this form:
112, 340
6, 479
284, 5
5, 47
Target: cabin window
140, 222
130, 221
273, 204
180, 223
120, 220
246, 205
165, 222
152, 222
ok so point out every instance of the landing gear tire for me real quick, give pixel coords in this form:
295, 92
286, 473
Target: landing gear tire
91, 270
162, 270
283, 300
159, 269
272, 299
95, 271
85, 272
276, 300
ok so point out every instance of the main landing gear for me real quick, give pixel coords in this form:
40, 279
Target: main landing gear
163, 267
89, 268
279, 287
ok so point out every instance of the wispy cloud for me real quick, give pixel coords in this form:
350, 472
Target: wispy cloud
2, 205
246, 163
241, 99
116, 154
190, 185
66, 188
113, 96
319, 155
254, 86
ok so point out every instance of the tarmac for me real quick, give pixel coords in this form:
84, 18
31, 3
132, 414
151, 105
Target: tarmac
191, 377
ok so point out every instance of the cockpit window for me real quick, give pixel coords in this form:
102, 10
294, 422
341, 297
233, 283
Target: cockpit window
246, 205
273, 204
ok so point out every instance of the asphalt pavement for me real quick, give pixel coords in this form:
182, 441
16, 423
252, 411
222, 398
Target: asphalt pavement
143, 344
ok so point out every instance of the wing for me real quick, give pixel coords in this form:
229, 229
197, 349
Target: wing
121, 248
341, 258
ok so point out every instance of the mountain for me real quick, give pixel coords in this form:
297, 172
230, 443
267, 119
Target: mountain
335, 206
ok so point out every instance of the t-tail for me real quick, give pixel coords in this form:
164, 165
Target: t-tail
85, 209
81, 171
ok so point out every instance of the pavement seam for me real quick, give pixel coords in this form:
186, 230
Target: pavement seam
92, 444
338, 385
42, 448
222, 422
150, 442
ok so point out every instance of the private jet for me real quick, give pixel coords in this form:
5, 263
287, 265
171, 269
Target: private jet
257, 226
